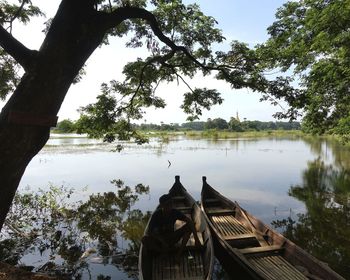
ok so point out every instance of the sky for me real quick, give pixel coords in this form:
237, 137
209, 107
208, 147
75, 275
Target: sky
241, 20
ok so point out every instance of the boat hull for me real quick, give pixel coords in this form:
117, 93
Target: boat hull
242, 240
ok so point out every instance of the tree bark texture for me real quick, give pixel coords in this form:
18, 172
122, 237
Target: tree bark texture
74, 34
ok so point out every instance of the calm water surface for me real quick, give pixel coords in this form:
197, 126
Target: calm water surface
280, 180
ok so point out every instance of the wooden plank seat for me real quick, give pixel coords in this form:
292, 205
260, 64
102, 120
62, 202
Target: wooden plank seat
240, 236
276, 268
240, 241
190, 266
219, 211
264, 249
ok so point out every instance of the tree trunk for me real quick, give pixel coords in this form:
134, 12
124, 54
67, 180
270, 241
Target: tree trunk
74, 34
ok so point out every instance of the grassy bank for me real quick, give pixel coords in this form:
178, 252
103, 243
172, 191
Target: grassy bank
223, 134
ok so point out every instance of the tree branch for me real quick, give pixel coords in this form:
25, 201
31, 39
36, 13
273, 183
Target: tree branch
110, 20
16, 15
16, 49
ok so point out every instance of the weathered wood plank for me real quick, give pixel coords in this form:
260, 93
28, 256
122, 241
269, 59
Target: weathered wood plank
218, 212
240, 236
276, 267
264, 249
280, 269
262, 269
219, 224
236, 225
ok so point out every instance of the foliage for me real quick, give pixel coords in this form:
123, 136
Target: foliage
235, 125
9, 74
66, 234
196, 125
197, 99
311, 40
10, 69
66, 126
120, 102
217, 123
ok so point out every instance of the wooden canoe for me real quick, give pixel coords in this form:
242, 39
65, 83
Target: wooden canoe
249, 249
196, 263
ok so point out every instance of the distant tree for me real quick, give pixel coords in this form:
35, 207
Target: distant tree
252, 125
195, 125
209, 124
220, 123
66, 126
288, 125
235, 125
271, 125
217, 123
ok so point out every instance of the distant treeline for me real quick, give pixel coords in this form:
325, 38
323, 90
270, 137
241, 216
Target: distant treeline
68, 126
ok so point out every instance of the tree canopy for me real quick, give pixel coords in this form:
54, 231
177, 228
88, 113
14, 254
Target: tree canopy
309, 41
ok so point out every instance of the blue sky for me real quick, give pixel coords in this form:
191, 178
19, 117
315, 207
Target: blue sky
239, 20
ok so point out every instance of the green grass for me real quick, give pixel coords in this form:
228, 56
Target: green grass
166, 136
217, 134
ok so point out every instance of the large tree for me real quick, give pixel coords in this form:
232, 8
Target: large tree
178, 39
310, 42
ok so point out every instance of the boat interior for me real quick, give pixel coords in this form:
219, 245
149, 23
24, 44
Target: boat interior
265, 253
195, 262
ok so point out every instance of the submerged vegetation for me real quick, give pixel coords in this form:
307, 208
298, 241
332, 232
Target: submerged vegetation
68, 236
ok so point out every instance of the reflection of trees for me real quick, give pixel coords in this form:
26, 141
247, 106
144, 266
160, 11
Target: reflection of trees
324, 230
341, 154
68, 236
325, 148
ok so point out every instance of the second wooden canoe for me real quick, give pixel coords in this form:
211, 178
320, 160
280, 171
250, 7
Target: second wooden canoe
249, 249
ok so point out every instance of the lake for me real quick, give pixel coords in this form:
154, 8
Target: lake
280, 180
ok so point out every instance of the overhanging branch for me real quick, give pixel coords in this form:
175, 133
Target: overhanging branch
16, 49
16, 15
110, 20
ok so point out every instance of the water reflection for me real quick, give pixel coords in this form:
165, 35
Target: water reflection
324, 230
48, 233
96, 239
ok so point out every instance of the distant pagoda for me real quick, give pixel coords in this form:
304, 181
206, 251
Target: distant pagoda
237, 117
